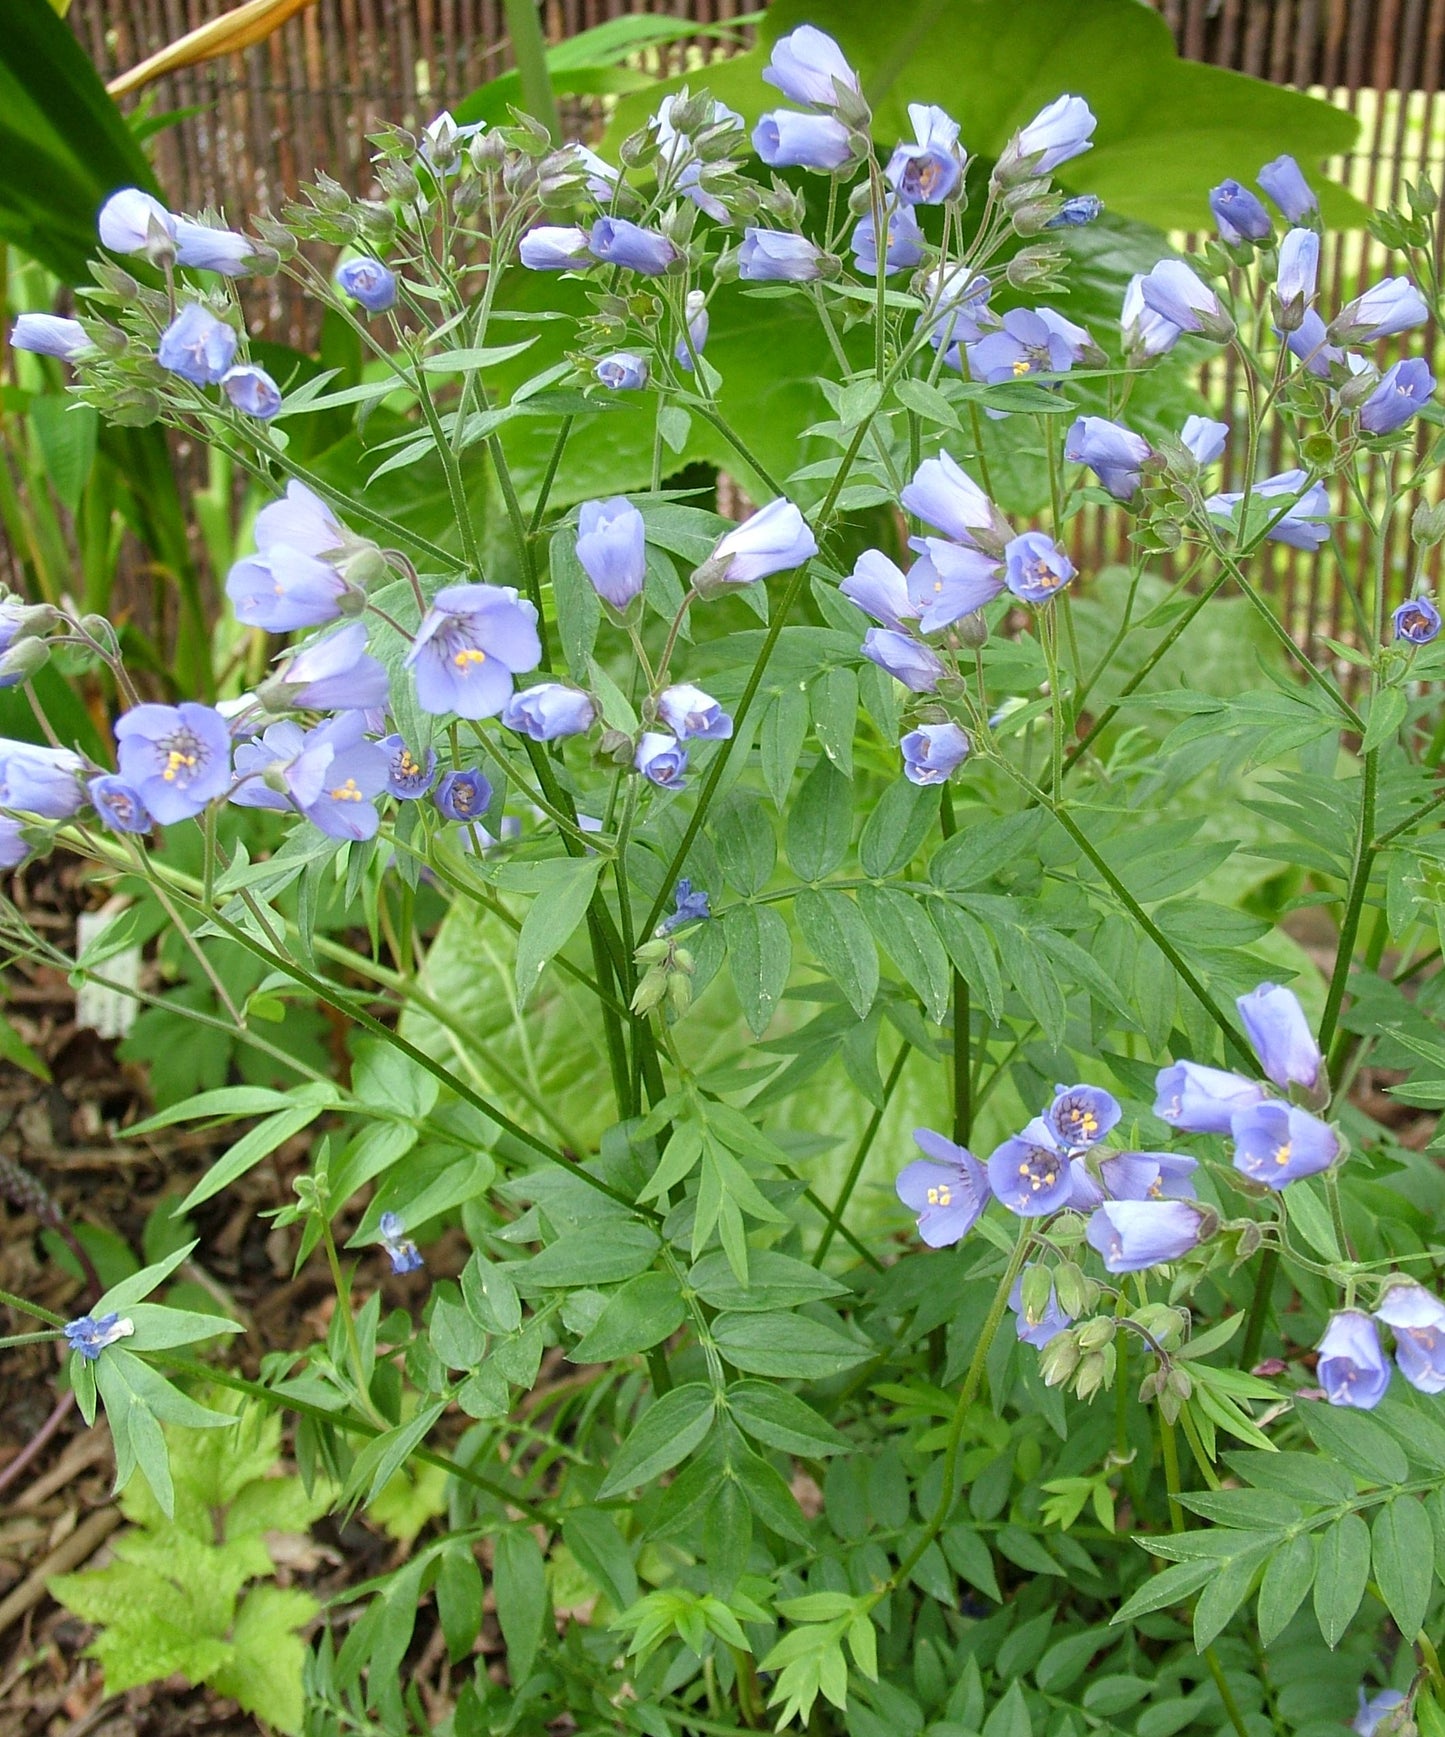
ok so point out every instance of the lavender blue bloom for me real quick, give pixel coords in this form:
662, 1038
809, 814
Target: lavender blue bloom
1080, 1116
1280, 1036
948, 1189
1036, 568
300, 520
786, 139
550, 710
949, 581
927, 171
197, 346
778, 256
1299, 268
612, 547
368, 282
1148, 1175
1204, 438
1200, 1100
905, 247
690, 906
470, 644
1417, 621
118, 804
933, 753
208, 249
1145, 333
405, 1255
1179, 295
957, 310
1401, 394
252, 391
622, 371
697, 329
556, 247
1367, 1720
332, 774
1279, 1143
407, 778
441, 142
177, 759
804, 66
13, 847
1239, 214
1285, 183
41, 781
617, 241
337, 673
1057, 133
1114, 453
1305, 524
463, 795
1388, 307
661, 760
905, 659
877, 586
775, 539
1352, 1367
1417, 1319
690, 185
1029, 341
1309, 345
1029, 1174
48, 335
128, 220
1077, 212
1134, 1234
941, 493
282, 589
89, 1336
693, 715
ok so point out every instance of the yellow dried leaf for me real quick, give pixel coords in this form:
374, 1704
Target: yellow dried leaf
240, 28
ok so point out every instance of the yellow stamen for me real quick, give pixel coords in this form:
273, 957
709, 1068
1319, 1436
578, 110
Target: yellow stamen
347, 792
469, 655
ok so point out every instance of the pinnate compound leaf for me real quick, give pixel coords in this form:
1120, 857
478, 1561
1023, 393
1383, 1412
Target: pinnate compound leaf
666, 1433
1356, 1441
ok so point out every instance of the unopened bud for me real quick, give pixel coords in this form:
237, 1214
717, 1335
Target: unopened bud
378, 223
398, 181
1096, 1371
365, 568
1151, 1387
22, 661
1427, 525
1037, 1287
617, 746
850, 108
637, 150
1072, 1288
117, 280
1034, 267
486, 151
971, 630
1059, 1359
1095, 1334
1353, 392
1424, 201
134, 408
860, 200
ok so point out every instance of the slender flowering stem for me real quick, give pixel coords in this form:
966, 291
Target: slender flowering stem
860, 1157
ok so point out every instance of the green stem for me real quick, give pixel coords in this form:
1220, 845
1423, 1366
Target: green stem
1354, 907
453, 471
962, 1017
11, 1301
549, 476
1259, 1307
865, 1145
353, 1341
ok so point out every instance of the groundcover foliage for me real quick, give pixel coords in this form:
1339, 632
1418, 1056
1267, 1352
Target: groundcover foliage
705, 901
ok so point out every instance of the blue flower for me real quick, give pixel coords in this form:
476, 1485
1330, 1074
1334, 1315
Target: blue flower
806, 65
1080, 1116
933, 752
49, 335
1404, 390
463, 795
407, 778
956, 310
773, 540
118, 804
1367, 1720
778, 256
1286, 185
281, 589
612, 547
40, 781
622, 371
927, 171
1303, 526
1299, 268
949, 581
555, 247
13, 847
1280, 1035
906, 243
1114, 453
948, 1190
1029, 1174
1279, 1143
691, 904
905, 659
877, 587
1352, 1367
130, 221
90, 1336
177, 759
1134, 1234
550, 710
405, 1256
1056, 134
1178, 295
209, 249
696, 317
1029, 341
252, 391
1239, 214
693, 715
1036, 568
785, 139
1310, 346
942, 493
673, 147
331, 774
1145, 333
369, 282
1204, 438
661, 760
1200, 1100
336, 673
197, 346
441, 142
1148, 1175
1388, 307
1417, 1320
1052, 1322
1417, 621
470, 644
616, 241
1075, 213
